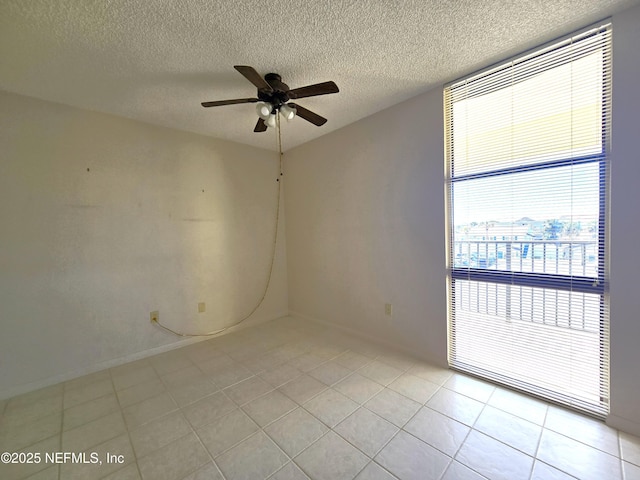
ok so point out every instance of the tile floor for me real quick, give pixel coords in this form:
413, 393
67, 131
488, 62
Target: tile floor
288, 400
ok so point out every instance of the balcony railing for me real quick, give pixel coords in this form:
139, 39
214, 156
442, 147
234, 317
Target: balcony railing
535, 304
561, 257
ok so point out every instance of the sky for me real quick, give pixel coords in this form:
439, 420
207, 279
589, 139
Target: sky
540, 195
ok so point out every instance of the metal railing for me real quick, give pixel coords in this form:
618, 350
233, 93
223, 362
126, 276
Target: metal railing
562, 257
535, 304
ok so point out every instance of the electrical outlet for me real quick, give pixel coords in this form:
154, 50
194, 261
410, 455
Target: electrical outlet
202, 307
388, 309
154, 316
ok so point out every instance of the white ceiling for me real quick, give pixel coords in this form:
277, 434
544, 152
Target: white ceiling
156, 60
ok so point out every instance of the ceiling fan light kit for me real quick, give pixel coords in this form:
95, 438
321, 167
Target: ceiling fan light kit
271, 121
288, 112
264, 110
273, 95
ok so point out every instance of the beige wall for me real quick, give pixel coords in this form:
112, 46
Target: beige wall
365, 226
104, 220
625, 224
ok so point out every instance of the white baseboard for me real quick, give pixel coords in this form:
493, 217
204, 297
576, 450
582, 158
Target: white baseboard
623, 424
365, 336
64, 377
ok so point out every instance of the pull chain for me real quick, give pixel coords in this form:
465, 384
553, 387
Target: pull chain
279, 146
271, 263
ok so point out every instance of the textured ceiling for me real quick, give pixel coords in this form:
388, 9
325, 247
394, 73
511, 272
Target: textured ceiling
156, 60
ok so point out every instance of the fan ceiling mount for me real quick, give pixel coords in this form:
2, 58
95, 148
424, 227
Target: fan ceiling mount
273, 97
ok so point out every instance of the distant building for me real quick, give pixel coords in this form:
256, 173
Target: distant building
496, 231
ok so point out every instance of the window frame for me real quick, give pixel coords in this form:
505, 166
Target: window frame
599, 284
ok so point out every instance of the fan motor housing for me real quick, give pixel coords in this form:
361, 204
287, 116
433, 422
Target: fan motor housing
280, 93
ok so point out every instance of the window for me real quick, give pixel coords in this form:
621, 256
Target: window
527, 144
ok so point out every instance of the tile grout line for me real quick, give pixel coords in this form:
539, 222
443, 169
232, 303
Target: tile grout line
472, 429
213, 461
537, 452
619, 456
135, 456
332, 429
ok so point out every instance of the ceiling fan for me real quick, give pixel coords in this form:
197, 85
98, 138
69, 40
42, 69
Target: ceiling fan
273, 97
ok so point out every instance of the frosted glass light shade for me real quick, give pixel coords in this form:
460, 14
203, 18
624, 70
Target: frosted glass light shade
263, 110
288, 112
270, 121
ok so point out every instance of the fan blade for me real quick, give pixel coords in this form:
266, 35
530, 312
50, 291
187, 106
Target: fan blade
313, 90
229, 102
254, 77
260, 126
308, 115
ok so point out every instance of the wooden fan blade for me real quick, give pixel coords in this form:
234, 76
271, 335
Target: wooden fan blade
313, 90
229, 102
260, 126
308, 115
254, 77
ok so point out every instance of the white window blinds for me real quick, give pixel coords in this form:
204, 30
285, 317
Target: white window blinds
527, 145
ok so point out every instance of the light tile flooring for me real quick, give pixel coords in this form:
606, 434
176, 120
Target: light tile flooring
288, 400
